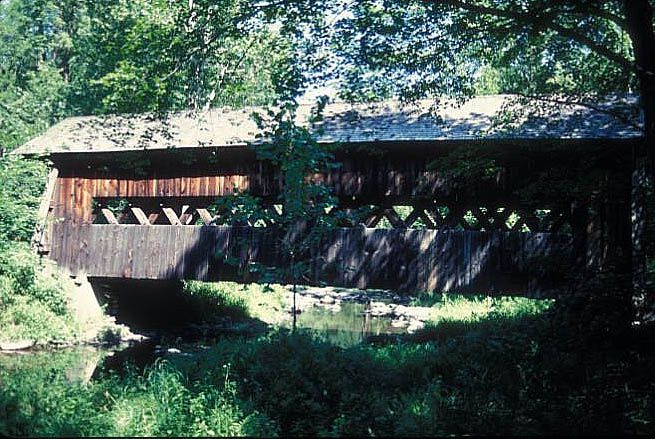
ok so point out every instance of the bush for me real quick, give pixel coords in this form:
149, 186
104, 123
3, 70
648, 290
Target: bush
209, 301
33, 303
502, 375
237, 301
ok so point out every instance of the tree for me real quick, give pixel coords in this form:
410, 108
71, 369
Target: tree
78, 57
137, 56
416, 49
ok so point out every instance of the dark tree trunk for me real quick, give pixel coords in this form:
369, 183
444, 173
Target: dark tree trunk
639, 19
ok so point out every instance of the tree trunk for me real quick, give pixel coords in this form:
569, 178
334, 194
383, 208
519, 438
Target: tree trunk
639, 18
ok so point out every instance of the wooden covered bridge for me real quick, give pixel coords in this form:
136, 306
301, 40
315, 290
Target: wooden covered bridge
458, 200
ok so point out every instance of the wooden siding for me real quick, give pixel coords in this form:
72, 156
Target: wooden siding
403, 260
73, 198
367, 176
414, 260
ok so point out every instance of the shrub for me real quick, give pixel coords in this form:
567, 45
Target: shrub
43, 401
236, 301
33, 302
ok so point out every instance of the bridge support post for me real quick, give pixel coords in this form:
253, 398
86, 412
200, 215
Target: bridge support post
84, 302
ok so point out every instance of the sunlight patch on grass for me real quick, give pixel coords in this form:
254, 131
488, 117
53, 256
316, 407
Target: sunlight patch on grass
473, 308
464, 315
262, 302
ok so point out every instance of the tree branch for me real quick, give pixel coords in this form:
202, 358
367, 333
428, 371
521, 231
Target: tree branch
532, 20
619, 116
607, 15
625, 63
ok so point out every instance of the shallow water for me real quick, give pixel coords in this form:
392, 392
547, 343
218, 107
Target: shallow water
345, 325
348, 326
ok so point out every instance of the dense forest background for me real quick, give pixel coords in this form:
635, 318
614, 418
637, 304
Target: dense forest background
67, 58
81, 57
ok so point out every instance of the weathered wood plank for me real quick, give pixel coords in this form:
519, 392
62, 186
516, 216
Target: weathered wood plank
39, 242
205, 216
407, 260
171, 216
109, 216
140, 216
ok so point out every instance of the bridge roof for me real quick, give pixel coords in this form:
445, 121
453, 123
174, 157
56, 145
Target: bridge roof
479, 118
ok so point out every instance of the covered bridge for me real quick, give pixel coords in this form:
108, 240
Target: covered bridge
482, 196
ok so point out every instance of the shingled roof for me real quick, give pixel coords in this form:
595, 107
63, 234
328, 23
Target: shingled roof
485, 117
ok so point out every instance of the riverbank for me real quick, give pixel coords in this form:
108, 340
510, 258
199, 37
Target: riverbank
272, 305
503, 373
42, 307
480, 365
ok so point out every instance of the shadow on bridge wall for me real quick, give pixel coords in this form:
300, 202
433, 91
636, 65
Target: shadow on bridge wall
405, 260
445, 260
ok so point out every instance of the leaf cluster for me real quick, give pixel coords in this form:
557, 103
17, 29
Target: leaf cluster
379, 49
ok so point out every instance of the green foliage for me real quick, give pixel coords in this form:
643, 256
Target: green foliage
28, 109
62, 58
547, 63
117, 205
136, 56
468, 165
240, 208
473, 308
238, 301
42, 401
506, 370
304, 201
34, 54
500, 375
295, 151
33, 303
22, 184
430, 49
209, 301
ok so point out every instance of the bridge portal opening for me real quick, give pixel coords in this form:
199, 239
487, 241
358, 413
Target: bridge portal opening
144, 305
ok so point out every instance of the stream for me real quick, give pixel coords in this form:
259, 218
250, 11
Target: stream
340, 317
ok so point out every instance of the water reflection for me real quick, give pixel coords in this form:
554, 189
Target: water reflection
350, 325
77, 365
347, 325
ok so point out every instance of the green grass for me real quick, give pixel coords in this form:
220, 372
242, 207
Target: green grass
456, 314
44, 401
474, 307
239, 301
487, 381
484, 366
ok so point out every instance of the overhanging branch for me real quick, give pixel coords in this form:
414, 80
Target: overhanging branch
555, 100
536, 20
